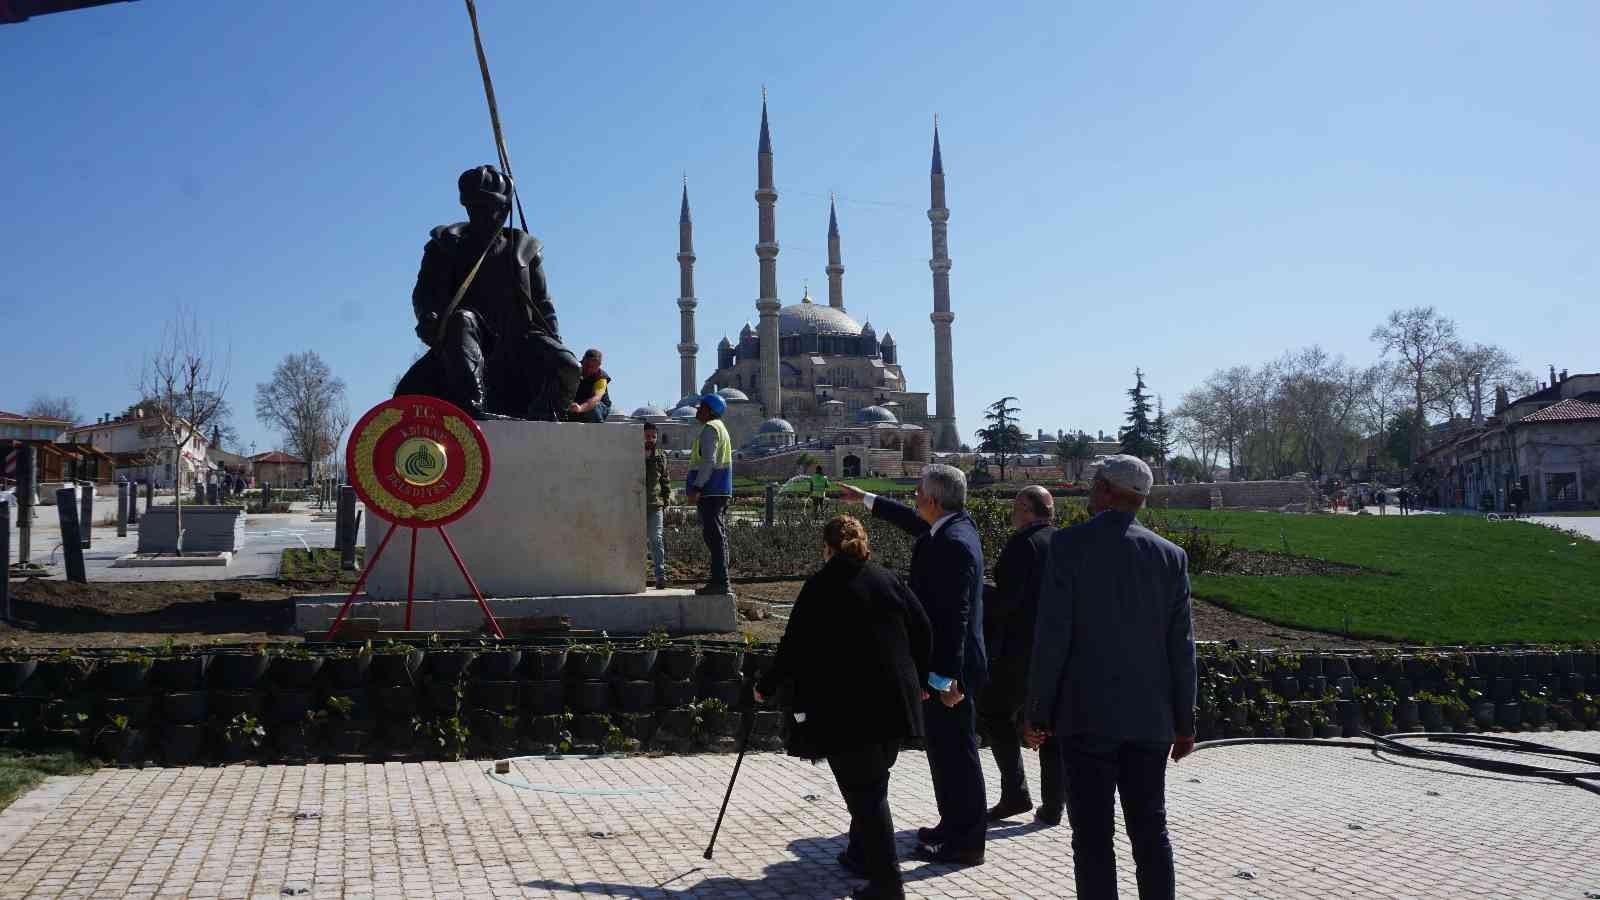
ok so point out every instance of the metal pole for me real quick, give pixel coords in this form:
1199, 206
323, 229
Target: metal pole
345, 528
772, 502
86, 515
133, 503
71, 541
27, 496
122, 508
5, 558
744, 744
149, 493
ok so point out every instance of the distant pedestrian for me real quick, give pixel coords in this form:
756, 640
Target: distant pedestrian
710, 488
1405, 502
819, 491
1113, 678
658, 496
1518, 497
1383, 503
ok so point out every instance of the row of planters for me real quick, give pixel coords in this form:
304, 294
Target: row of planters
1246, 693
392, 700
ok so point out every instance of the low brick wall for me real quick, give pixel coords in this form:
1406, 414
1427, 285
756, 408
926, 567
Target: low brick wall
1268, 494
1184, 496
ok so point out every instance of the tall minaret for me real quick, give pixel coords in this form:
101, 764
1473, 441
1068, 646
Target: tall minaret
835, 268
688, 385
767, 253
945, 435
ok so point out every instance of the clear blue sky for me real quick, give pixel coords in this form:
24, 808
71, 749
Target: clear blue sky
1177, 188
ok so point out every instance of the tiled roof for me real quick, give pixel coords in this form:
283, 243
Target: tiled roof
1566, 411
12, 415
276, 456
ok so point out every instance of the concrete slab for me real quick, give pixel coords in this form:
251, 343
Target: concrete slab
145, 561
563, 515
678, 611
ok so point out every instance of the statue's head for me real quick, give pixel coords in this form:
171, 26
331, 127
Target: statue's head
486, 193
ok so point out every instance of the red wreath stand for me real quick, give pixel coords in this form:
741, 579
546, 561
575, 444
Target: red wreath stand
420, 463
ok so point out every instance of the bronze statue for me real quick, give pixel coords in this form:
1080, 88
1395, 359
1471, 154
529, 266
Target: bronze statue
484, 310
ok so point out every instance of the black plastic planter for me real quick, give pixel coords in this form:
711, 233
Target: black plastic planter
19, 712
768, 722
56, 676
179, 673
289, 706
1429, 715
674, 693
543, 698
588, 663
15, 673
344, 740
1533, 714
292, 742
713, 723
238, 671
677, 663
498, 695
589, 696
394, 668
122, 677
69, 712
636, 696
360, 702
639, 726
395, 701
227, 704
1508, 714
729, 692
449, 664
634, 664
677, 722
545, 665
497, 665
125, 748
442, 696
721, 665
184, 707
545, 729
182, 744
136, 709
347, 671
295, 672
591, 728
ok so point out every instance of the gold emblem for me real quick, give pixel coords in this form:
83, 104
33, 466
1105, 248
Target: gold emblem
420, 461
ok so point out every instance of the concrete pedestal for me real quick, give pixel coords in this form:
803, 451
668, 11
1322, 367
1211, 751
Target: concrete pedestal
673, 611
563, 516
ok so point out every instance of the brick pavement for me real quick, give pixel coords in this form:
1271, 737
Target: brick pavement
1303, 822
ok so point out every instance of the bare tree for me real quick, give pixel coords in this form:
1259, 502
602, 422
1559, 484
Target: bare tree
1418, 339
53, 406
1461, 375
182, 383
306, 404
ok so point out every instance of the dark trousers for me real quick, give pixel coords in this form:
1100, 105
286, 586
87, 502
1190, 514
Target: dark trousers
1005, 742
952, 739
1096, 768
714, 527
863, 777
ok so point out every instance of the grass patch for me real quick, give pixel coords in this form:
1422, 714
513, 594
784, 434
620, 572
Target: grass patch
318, 565
1435, 579
21, 771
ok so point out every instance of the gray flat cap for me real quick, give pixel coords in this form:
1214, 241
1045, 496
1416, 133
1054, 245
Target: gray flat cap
1127, 472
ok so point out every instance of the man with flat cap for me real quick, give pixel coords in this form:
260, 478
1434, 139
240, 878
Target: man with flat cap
1113, 678
484, 310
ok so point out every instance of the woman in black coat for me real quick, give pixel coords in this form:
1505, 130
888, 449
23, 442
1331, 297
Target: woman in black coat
856, 650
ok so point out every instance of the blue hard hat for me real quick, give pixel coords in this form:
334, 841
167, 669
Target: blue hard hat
715, 403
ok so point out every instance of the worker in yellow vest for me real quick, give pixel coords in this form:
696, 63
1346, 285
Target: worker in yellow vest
710, 487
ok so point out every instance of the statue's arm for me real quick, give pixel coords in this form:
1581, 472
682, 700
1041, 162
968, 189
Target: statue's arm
431, 294
531, 253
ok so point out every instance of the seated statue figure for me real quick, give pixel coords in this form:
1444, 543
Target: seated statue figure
484, 310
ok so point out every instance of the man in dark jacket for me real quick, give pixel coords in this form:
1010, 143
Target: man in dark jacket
1113, 677
1009, 608
947, 576
658, 496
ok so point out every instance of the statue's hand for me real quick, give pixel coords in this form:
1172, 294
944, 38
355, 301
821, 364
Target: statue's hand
428, 328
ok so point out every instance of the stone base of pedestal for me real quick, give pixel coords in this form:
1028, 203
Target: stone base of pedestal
673, 611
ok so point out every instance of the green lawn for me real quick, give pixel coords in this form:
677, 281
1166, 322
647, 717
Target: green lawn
20, 771
1439, 579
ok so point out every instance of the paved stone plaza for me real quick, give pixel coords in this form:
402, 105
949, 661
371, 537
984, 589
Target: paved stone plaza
1296, 821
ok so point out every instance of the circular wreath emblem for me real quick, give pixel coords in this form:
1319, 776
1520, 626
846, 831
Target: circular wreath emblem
418, 461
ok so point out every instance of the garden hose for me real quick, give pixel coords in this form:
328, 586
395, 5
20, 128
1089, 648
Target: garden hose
1379, 744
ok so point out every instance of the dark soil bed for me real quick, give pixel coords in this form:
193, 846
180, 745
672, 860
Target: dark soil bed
134, 614
1264, 563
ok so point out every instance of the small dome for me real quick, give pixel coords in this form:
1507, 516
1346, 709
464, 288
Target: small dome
775, 426
833, 403
747, 331
872, 415
733, 395
692, 401
724, 344
866, 330
649, 413
684, 412
888, 339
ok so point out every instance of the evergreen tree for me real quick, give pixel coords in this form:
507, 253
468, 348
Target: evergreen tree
1161, 432
1002, 437
1138, 438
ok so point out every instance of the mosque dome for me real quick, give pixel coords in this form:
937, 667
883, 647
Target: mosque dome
866, 330
873, 415
806, 317
775, 426
649, 413
684, 412
733, 395
724, 344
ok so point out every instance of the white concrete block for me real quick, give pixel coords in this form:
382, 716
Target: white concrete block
563, 515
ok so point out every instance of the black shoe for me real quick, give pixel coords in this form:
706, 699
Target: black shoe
1005, 809
713, 589
852, 864
870, 891
944, 853
661, 584
1047, 816
928, 835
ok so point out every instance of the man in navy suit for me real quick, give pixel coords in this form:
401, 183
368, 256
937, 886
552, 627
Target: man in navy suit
1113, 678
947, 576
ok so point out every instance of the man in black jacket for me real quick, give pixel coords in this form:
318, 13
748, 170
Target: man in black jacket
947, 576
1009, 609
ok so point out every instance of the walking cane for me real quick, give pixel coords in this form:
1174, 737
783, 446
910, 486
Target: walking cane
744, 742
